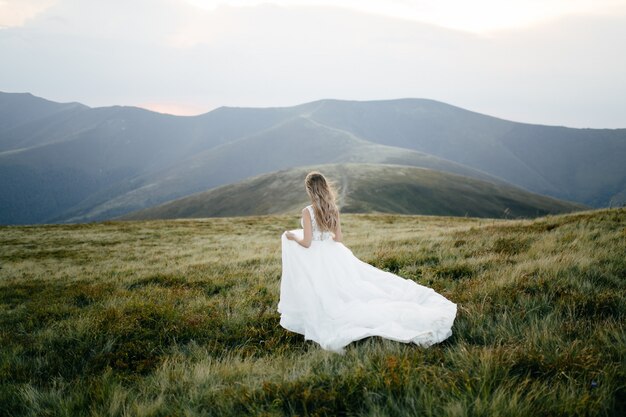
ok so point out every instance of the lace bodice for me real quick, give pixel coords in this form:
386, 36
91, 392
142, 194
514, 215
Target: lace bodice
317, 233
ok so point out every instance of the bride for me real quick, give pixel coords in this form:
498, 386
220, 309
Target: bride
333, 298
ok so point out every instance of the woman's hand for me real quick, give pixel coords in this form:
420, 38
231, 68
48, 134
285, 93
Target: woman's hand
290, 235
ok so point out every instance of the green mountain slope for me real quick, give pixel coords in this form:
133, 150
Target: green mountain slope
63, 162
584, 165
55, 156
364, 188
296, 142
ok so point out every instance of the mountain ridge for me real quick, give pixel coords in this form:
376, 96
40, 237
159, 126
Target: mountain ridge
61, 157
207, 169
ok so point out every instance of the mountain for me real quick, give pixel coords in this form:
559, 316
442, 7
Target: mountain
584, 165
60, 155
364, 188
295, 142
66, 162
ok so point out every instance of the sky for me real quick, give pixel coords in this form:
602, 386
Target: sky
554, 62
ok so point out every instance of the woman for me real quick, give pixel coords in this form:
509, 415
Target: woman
333, 298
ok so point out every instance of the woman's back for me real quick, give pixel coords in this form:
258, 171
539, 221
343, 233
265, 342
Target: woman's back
318, 234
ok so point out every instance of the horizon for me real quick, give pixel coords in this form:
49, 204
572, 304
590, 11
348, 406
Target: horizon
303, 103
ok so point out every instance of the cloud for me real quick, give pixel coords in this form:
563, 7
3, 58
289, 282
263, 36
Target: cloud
16, 12
152, 53
476, 16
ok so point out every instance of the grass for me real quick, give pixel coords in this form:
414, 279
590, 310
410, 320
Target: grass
365, 188
167, 318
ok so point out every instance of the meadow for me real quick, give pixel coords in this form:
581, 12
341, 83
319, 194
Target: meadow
178, 317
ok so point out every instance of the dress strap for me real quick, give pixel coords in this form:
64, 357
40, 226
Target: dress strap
317, 233
312, 214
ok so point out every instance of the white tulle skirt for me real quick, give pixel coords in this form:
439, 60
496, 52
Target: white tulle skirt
333, 298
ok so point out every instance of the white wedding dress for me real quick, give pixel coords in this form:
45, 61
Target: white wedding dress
333, 298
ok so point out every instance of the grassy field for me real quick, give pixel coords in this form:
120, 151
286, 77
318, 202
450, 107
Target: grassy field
167, 318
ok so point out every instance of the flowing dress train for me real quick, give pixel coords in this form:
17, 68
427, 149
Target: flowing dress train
331, 297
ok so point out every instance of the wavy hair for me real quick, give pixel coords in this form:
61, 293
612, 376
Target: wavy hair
322, 196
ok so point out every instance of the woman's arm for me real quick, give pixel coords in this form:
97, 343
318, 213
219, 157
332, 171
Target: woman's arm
338, 236
308, 230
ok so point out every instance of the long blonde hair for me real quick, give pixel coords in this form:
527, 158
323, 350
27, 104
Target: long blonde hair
322, 196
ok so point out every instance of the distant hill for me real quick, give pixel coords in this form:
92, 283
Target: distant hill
364, 188
584, 165
296, 142
66, 162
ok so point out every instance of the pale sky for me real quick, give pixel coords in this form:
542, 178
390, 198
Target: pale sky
556, 62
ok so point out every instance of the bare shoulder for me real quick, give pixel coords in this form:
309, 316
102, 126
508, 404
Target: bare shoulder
306, 215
